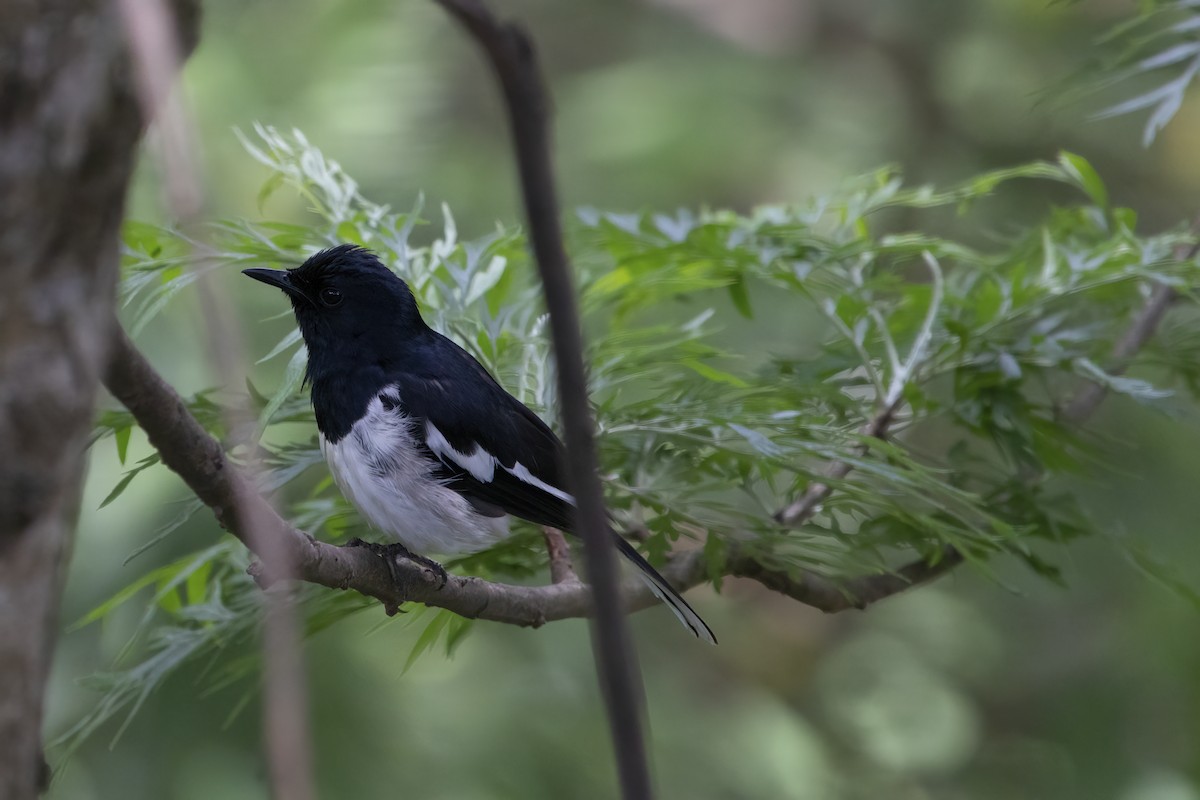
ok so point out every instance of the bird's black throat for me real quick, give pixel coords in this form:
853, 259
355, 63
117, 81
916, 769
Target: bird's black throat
361, 325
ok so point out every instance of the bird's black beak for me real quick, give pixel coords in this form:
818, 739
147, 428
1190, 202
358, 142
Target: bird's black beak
279, 278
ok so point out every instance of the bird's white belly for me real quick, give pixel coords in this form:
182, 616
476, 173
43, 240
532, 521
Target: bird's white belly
380, 470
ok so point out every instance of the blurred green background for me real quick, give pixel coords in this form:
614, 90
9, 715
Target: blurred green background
980, 686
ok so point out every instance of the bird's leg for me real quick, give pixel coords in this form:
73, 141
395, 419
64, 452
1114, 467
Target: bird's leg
390, 552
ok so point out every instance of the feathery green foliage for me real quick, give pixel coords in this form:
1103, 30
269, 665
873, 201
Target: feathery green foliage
1157, 51
732, 358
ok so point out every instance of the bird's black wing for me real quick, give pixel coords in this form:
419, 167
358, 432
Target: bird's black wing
499, 455
489, 446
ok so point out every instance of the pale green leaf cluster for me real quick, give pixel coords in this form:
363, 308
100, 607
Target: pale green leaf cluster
1157, 53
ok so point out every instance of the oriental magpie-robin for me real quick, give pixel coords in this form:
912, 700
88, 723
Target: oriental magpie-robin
418, 435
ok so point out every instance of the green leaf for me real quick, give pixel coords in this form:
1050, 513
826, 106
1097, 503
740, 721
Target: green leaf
159, 298
286, 343
427, 638
486, 279
456, 632
1137, 389
1162, 574
144, 238
120, 598
740, 297
196, 586
166, 530
758, 441
269, 187
1086, 176
293, 376
122, 437
168, 597
714, 374
1009, 366
123, 484
715, 555
168, 575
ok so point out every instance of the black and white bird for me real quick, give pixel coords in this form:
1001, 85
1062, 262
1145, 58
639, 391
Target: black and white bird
418, 435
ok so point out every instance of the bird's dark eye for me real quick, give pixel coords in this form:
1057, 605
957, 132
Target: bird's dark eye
331, 297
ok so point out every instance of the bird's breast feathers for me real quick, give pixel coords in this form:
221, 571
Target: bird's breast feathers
384, 468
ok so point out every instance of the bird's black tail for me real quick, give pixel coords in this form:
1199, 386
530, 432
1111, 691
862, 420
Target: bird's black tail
665, 592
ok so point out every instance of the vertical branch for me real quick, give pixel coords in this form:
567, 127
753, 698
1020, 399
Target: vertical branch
1088, 399
559, 551
1141, 330
515, 64
150, 29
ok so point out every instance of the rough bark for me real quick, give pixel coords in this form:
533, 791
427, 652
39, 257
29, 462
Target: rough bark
69, 124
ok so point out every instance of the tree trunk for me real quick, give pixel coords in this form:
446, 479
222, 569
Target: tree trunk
69, 124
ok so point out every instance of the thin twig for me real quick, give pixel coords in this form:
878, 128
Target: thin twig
802, 509
832, 595
889, 343
157, 57
1145, 324
561, 570
924, 336
514, 62
827, 308
1088, 399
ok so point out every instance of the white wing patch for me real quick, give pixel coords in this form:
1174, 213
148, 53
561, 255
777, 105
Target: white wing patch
479, 463
522, 473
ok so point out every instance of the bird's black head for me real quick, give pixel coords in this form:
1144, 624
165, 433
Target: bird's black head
352, 310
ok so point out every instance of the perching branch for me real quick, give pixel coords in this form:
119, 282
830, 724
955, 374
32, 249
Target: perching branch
561, 569
831, 595
189, 451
